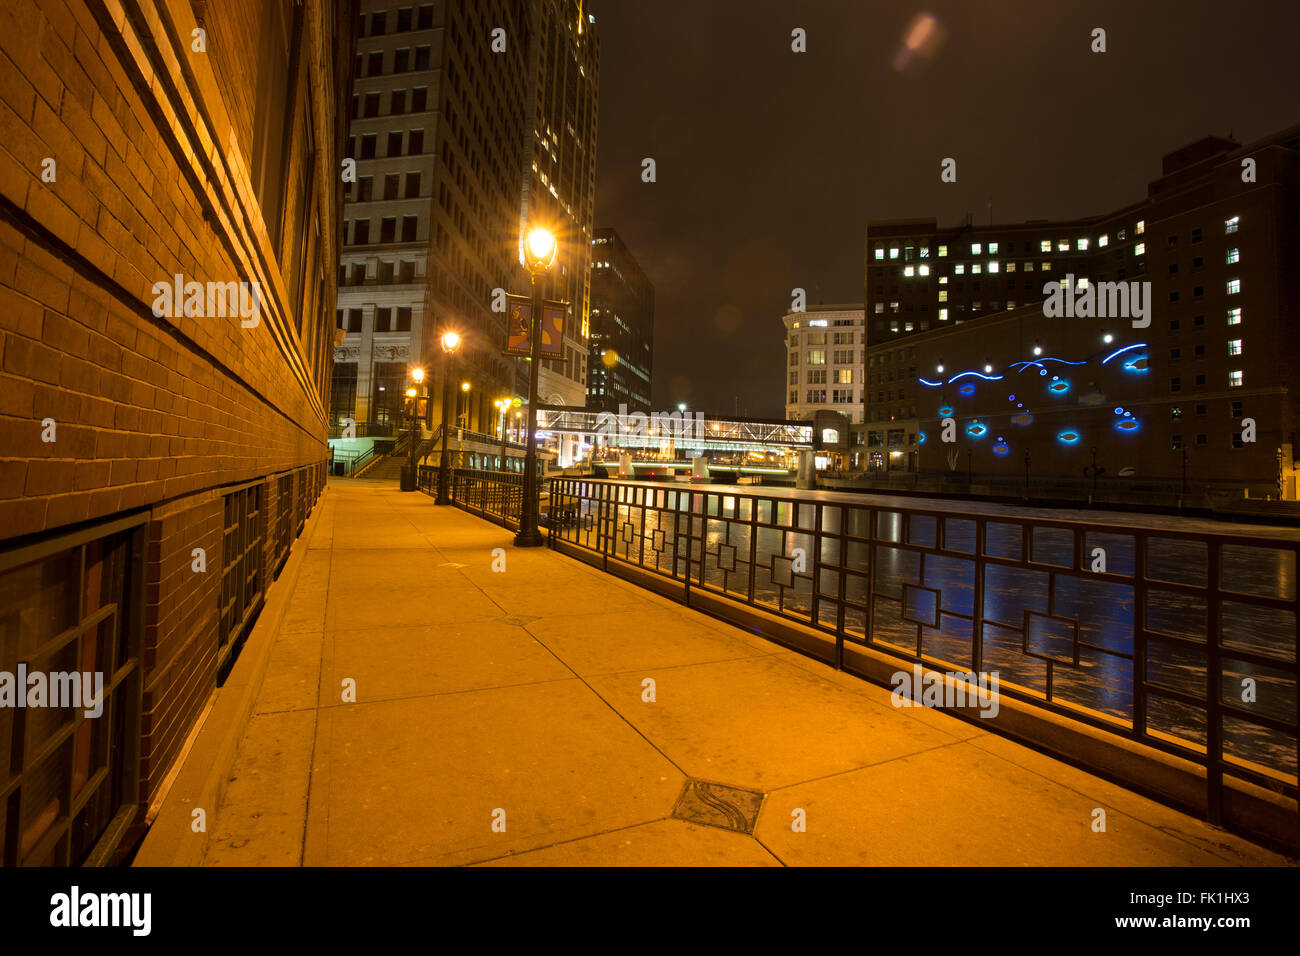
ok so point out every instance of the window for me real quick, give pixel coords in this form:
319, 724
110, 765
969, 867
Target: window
794, 358
1176, 442
415, 145
1234, 379
1196, 235
372, 104
1140, 228
394, 144
909, 271
993, 248
1236, 409
816, 356
409, 226
1202, 440
1230, 225
816, 396
1175, 385
375, 64
241, 567
1140, 249
1081, 245
1200, 380
943, 315
419, 99
1234, 286
1233, 256
368, 146
412, 185
880, 252
391, 183
1173, 242
387, 229
403, 319
943, 251
1045, 245
1102, 241
425, 14
1175, 413
422, 57
361, 232
1173, 325
1234, 316
354, 319
1173, 268
959, 269
1198, 262
1062, 245
403, 19
402, 61
1198, 321
893, 253
69, 605
1175, 354
383, 320
924, 270
398, 103
976, 248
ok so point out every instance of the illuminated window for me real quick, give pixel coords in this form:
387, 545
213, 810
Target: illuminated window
1028, 267
993, 248
880, 252
993, 267
1081, 245
1062, 245
924, 270
959, 269
909, 271
976, 248
975, 268
1103, 240
1044, 267
943, 280
1011, 267
1234, 347
893, 253
1011, 304
909, 327
1233, 256
1121, 235
943, 295
943, 250
1045, 245
1234, 286
1082, 283
1140, 249
816, 356
943, 315
1140, 228
1230, 225
880, 307
1234, 316
1234, 380
925, 252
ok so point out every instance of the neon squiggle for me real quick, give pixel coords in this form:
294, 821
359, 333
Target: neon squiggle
987, 378
1127, 348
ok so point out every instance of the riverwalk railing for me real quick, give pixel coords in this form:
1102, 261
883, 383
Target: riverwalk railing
1165, 631
495, 495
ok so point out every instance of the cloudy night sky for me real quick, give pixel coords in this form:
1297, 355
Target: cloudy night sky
770, 163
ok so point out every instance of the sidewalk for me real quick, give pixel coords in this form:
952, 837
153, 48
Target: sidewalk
518, 696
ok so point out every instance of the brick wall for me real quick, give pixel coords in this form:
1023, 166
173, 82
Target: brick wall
106, 407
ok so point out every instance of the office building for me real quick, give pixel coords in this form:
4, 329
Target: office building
621, 359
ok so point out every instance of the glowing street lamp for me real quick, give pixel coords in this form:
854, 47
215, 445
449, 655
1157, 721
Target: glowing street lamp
539, 249
450, 342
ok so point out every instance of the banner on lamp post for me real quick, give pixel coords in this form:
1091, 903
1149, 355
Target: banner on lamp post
519, 322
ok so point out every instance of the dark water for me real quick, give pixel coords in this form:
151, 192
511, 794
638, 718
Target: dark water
923, 590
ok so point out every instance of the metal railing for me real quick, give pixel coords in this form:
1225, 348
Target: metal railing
1158, 630
495, 495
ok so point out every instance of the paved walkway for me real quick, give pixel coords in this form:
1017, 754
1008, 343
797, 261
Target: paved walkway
517, 697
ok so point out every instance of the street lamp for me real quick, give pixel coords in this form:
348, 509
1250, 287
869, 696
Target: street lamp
540, 249
408, 482
502, 404
450, 342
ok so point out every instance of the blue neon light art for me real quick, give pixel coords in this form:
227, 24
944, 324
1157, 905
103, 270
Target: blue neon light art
968, 390
1127, 348
1068, 437
976, 429
1127, 425
1059, 387
987, 378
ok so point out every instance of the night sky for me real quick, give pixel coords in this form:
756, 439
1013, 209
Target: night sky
770, 163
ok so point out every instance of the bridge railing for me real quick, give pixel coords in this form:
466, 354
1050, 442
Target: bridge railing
495, 495
1158, 630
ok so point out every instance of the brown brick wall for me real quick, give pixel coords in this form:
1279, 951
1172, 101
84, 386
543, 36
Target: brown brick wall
154, 146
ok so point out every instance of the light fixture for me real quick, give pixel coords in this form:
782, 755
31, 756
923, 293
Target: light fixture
987, 367
464, 386
539, 250
410, 393
1108, 338
450, 341
939, 369
417, 375
1038, 349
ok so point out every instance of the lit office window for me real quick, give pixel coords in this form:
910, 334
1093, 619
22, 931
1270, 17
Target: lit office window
1234, 286
943, 280
1103, 240
880, 307
925, 270
1140, 228
975, 268
976, 248
1234, 347
925, 252
993, 248
880, 252
1230, 225
959, 269
1234, 316
1140, 249
1062, 245
943, 315
1045, 245
943, 251
993, 267
909, 271
1233, 256
1081, 245
893, 253
1083, 282
1011, 267
943, 295
1234, 380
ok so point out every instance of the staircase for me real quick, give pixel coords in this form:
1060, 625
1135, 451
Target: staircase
389, 467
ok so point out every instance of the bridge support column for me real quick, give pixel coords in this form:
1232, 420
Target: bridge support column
700, 471
805, 476
625, 469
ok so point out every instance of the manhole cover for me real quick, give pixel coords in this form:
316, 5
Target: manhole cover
519, 620
716, 805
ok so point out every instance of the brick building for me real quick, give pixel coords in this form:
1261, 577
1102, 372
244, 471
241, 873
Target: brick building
1216, 238
160, 449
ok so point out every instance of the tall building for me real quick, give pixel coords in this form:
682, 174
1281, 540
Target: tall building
824, 372
622, 327
450, 106
170, 218
1216, 238
560, 184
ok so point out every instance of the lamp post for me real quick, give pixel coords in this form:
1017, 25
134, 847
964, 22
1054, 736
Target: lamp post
450, 342
502, 405
539, 255
412, 401
462, 423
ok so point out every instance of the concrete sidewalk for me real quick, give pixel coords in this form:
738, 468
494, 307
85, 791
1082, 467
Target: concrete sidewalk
500, 718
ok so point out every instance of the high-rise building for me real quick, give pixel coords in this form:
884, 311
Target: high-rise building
452, 104
1213, 251
560, 184
170, 219
622, 327
824, 348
